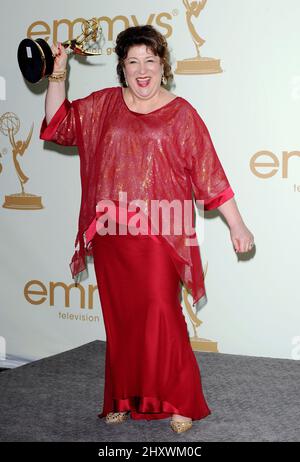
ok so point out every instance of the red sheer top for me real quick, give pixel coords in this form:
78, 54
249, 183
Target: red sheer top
166, 154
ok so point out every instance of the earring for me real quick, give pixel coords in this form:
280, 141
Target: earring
163, 79
125, 80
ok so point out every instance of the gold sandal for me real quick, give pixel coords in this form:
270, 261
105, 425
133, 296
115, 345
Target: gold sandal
116, 417
180, 426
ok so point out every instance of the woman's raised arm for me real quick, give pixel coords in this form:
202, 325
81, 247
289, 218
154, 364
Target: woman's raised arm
56, 91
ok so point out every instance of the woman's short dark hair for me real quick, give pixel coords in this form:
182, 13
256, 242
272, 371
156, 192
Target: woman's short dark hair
142, 35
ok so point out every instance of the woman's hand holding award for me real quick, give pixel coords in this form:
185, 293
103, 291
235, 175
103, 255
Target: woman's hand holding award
36, 58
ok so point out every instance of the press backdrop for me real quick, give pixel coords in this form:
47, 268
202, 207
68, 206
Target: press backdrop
251, 105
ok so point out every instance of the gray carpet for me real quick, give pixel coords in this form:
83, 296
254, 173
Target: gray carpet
58, 398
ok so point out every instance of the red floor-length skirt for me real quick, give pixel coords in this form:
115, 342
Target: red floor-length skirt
150, 367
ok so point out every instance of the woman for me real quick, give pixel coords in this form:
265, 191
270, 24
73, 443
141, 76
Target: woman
141, 140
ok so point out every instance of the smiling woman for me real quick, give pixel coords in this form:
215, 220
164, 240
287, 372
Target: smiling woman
154, 49
142, 66
141, 139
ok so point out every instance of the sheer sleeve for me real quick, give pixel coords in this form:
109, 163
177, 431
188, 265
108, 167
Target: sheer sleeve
208, 179
61, 128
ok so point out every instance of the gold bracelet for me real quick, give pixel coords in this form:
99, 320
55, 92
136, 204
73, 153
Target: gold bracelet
58, 76
58, 73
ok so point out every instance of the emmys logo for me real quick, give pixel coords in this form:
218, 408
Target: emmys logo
37, 293
9, 126
265, 164
197, 64
42, 28
2, 88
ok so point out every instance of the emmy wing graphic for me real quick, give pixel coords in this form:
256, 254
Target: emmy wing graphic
9, 126
198, 343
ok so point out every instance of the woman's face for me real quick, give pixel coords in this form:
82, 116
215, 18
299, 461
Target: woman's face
143, 71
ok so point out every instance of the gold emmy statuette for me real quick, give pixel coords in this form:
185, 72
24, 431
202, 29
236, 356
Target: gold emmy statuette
35, 57
198, 343
198, 64
9, 126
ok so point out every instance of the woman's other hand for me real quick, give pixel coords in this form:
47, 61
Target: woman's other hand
242, 238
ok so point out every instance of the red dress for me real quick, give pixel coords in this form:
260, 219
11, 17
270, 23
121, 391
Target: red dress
150, 367
167, 154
